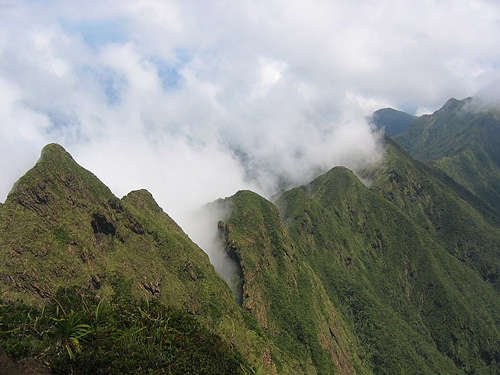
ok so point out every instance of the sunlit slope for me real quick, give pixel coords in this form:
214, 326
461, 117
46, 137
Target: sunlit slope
336, 277
396, 284
61, 226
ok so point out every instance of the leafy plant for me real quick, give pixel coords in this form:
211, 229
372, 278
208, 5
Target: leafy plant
69, 331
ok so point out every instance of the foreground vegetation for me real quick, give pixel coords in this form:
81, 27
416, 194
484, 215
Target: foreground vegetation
77, 333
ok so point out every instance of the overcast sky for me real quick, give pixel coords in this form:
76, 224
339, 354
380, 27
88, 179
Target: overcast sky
195, 100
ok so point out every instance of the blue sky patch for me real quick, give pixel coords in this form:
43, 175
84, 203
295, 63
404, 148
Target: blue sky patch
168, 74
113, 85
169, 71
97, 33
111, 82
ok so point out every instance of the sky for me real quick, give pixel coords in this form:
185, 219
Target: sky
196, 99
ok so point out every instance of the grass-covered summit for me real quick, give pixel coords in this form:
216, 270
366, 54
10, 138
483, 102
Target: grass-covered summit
61, 227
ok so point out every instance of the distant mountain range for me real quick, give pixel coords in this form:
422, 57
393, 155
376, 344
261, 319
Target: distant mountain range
335, 277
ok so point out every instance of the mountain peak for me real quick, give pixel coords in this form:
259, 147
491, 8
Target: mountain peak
392, 121
143, 199
339, 176
56, 176
453, 104
54, 156
54, 149
462, 143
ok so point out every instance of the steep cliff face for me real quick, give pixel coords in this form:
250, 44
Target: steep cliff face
61, 226
457, 220
284, 293
392, 278
459, 145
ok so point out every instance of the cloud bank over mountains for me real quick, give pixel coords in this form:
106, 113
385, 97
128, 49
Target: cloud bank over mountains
194, 100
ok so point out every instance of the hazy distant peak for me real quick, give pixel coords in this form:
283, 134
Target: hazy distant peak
392, 120
453, 104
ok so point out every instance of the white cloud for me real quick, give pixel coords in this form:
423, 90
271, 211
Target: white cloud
270, 73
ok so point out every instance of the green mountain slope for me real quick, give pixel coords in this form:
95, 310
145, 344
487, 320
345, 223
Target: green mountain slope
387, 259
435, 205
394, 283
61, 227
284, 293
462, 140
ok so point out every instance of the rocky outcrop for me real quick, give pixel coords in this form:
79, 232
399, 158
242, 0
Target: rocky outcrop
26, 366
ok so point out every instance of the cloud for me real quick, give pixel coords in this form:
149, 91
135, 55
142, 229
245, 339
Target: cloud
21, 135
195, 100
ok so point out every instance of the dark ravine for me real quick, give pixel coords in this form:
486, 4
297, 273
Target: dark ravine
335, 277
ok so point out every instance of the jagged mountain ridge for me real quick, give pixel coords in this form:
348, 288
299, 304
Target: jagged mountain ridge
67, 212
335, 277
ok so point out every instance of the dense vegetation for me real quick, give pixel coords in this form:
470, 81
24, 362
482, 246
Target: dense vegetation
389, 291
460, 145
404, 263
284, 293
61, 227
405, 295
78, 333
